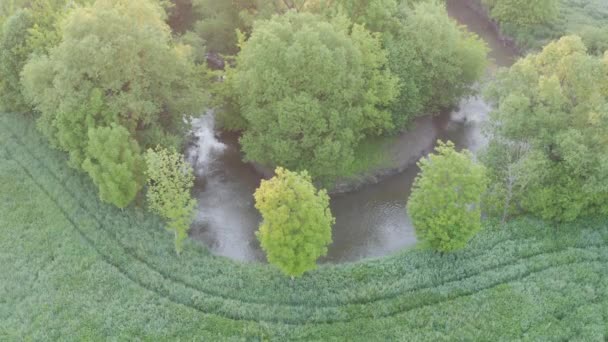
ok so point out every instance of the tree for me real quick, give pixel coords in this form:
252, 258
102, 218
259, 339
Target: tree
554, 103
32, 29
433, 78
13, 55
170, 180
219, 21
114, 162
309, 90
296, 227
445, 201
124, 49
523, 12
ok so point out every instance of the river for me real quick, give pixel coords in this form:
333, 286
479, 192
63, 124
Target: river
371, 221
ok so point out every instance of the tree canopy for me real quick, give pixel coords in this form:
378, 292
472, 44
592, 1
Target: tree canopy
523, 12
555, 105
309, 90
31, 28
124, 50
445, 201
13, 56
291, 207
437, 62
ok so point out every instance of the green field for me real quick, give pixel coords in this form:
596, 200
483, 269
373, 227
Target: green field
73, 268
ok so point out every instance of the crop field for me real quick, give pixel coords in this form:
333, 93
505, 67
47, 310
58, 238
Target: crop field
73, 267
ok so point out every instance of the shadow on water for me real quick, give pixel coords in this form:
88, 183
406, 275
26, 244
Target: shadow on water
371, 221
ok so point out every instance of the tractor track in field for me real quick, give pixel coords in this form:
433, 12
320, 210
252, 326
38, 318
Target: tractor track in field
166, 293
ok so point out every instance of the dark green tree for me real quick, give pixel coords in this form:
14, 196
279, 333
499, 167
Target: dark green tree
437, 62
123, 49
13, 56
309, 90
523, 12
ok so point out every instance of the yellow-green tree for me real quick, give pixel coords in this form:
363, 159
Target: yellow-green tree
114, 162
170, 179
445, 201
296, 227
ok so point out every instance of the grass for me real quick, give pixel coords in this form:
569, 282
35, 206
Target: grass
586, 18
72, 268
370, 154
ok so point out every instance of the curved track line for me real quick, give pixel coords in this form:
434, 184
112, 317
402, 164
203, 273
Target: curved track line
235, 317
213, 293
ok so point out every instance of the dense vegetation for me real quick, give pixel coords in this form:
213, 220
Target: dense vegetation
533, 24
549, 148
66, 255
101, 92
309, 91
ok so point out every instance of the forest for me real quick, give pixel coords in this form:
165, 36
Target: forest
304, 169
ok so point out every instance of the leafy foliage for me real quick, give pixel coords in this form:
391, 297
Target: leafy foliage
523, 12
124, 49
170, 180
296, 227
554, 103
114, 163
13, 55
433, 78
445, 200
31, 29
309, 90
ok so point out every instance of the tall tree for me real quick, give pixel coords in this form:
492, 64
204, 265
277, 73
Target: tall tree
30, 30
114, 162
523, 12
309, 90
554, 103
170, 180
446, 198
296, 227
437, 62
124, 49
13, 56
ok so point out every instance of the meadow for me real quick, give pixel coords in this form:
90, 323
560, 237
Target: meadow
71, 266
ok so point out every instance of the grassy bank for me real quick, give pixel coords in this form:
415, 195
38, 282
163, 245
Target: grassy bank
74, 268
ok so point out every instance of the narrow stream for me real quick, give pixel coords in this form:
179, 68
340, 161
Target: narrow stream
371, 221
